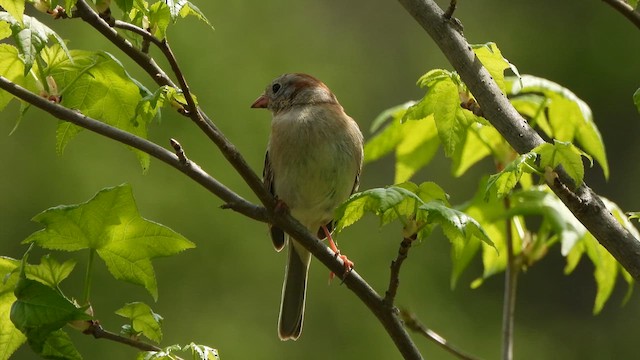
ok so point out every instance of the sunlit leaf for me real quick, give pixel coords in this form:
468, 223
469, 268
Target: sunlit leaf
569, 118
159, 19
58, 345
503, 182
443, 102
15, 8
5, 30
494, 62
110, 224
143, 320
202, 352
565, 154
31, 36
100, 88
10, 337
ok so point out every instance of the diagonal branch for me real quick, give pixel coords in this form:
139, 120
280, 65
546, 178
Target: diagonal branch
189, 168
387, 316
626, 10
583, 202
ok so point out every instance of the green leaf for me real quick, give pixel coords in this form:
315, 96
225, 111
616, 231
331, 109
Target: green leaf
492, 59
97, 86
569, 118
565, 154
415, 142
12, 68
40, 310
110, 224
15, 8
31, 36
636, 99
5, 30
125, 5
387, 203
50, 272
10, 337
442, 100
202, 352
419, 208
58, 345
184, 8
143, 320
159, 19
503, 182
540, 201
480, 142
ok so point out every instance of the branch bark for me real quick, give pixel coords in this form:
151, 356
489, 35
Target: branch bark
583, 202
626, 10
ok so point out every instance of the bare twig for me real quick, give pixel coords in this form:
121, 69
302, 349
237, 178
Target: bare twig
179, 151
626, 10
510, 285
450, 10
412, 322
98, 332
583, 202
394, 276
138, 30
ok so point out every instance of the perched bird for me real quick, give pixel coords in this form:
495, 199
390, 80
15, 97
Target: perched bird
312, 165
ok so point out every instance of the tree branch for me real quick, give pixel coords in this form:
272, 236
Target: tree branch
626, 10
386, 315
583, 202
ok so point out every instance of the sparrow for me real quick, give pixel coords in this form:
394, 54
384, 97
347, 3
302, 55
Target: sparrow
313, 163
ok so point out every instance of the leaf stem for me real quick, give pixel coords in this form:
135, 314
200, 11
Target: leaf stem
87, 278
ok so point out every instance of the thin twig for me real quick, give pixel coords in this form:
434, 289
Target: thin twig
138, 30
585, 204
510, 285
412, 322
143, 60
98, 332
451, 9
626, 10
179, 151
394, 276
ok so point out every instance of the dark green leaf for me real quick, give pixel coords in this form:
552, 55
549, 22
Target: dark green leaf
58, 345
40, 310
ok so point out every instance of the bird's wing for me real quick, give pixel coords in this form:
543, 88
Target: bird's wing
277, 235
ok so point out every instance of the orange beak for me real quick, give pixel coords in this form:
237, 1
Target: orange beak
261, 102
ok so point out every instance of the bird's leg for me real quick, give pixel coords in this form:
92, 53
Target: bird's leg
348, 264
281, 207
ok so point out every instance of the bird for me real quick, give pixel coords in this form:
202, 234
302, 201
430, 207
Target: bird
312, 165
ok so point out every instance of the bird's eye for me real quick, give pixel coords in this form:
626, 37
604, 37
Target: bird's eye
275, 88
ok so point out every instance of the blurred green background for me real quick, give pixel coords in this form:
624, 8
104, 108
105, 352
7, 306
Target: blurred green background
225, 293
